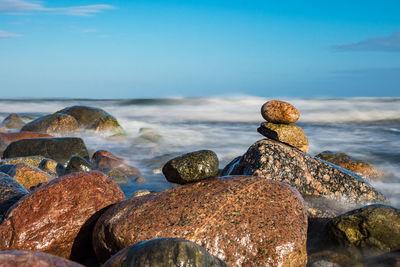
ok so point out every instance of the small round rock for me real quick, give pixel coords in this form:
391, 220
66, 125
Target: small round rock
277, 111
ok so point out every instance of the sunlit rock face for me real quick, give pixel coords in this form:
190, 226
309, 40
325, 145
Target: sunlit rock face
241, 220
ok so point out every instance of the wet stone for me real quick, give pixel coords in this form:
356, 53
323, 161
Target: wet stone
10, 192
58, 124
32, 160
12, 121
140, 180
52, 167
140, 193
29, 176
8, 138
78, 164
14, 258
276, 111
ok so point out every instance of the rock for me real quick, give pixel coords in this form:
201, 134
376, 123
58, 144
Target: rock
231, 165
32, 160
93, 118
359, 167
58, 218
8, 138
13, 258
140, 180
118, 176
276, 111
233, 218
191, 167
164, 252
311, 176
78, 164
12, 121
327, 258
58, 149
367, 231
52, 167
6, 168
148, 135
29, 176
140, 193
291, 134
10, 192
58, 124
105, 161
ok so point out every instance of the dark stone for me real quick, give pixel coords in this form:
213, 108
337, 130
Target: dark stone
59, 124
164, 252
231, 165
14, 258
6, 168
191, 167
59, 149
10, 192
8, 138
78, 164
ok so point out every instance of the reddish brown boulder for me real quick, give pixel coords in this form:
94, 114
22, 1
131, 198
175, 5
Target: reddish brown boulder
105, 161
7, 138
13, 258
28, 175
58, 218
59, 124
242, 220
276, 111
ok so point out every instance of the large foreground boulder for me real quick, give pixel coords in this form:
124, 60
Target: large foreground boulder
311, 176
59, 124
58, 149
15, 258
58, 218
166, 252
241, 220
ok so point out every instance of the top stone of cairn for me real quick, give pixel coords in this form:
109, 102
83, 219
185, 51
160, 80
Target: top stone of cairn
276, 111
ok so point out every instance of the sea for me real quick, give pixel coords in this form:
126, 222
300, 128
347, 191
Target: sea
159, 129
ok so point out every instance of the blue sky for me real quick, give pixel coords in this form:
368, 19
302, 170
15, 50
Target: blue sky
150, 48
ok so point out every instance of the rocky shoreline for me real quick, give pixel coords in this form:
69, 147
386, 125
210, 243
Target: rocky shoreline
61, 205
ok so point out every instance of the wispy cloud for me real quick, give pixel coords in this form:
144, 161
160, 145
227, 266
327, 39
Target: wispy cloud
390, 43
18, 6
7, 35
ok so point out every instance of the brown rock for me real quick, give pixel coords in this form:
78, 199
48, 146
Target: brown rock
32, 160
58, 218
291, 134
58, 124
105, 161
6, 139
12, 121
276, 111
28, 175
359, 167
100, 153
241, 220
14, 258
140, 193
51, 167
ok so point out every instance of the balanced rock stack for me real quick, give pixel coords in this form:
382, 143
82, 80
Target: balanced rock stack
279, 116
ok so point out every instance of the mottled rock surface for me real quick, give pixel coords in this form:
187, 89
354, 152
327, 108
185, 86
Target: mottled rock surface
164, 252
29, 176
191, 167
10, 192
276, 111
58, 149
362, 168
58, 124
311, 176
58, 218
32, 160
369, 230
290, 134
51, 167
8, 138
15, 258
241, 220
78, 164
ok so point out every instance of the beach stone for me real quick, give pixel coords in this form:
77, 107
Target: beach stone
58, 149
32, 160
58, 218
291, 134
140, 180
118, 176
362, 168
10, 192
14, 258
12, 121
6, 168
58, 124
370, 230
29, 176
52, 167
78, 164
93, 118
277, 111
105, 161
231, 165
148, 135
241, 220
140, 193
311, 176
164, 252
191, 167
8, 138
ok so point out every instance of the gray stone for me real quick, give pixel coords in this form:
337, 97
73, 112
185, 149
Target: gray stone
10, 192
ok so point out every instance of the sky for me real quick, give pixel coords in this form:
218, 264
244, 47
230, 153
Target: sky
188, 48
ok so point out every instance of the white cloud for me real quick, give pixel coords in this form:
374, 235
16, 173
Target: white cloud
389, 43
18, 6
6, 35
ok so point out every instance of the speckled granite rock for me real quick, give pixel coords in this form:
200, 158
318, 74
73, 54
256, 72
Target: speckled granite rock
12, 121
373, 229
16, 258
364, 169
10, 192
241, 220
191, 167
78, 164
32, 160
311, 176
8, 138
166, 252
29, 176
57, 124
276, 111
291, 134
58, 218
58, 149
140, 193
52, 167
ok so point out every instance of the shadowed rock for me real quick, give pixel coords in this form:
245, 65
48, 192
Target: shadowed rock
78, 164
10, 192
13, 258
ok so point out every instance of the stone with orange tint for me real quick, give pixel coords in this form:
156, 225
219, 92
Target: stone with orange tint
28, 175
277, 111
105, 161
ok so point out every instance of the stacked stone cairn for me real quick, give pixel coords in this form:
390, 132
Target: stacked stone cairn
280, 116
